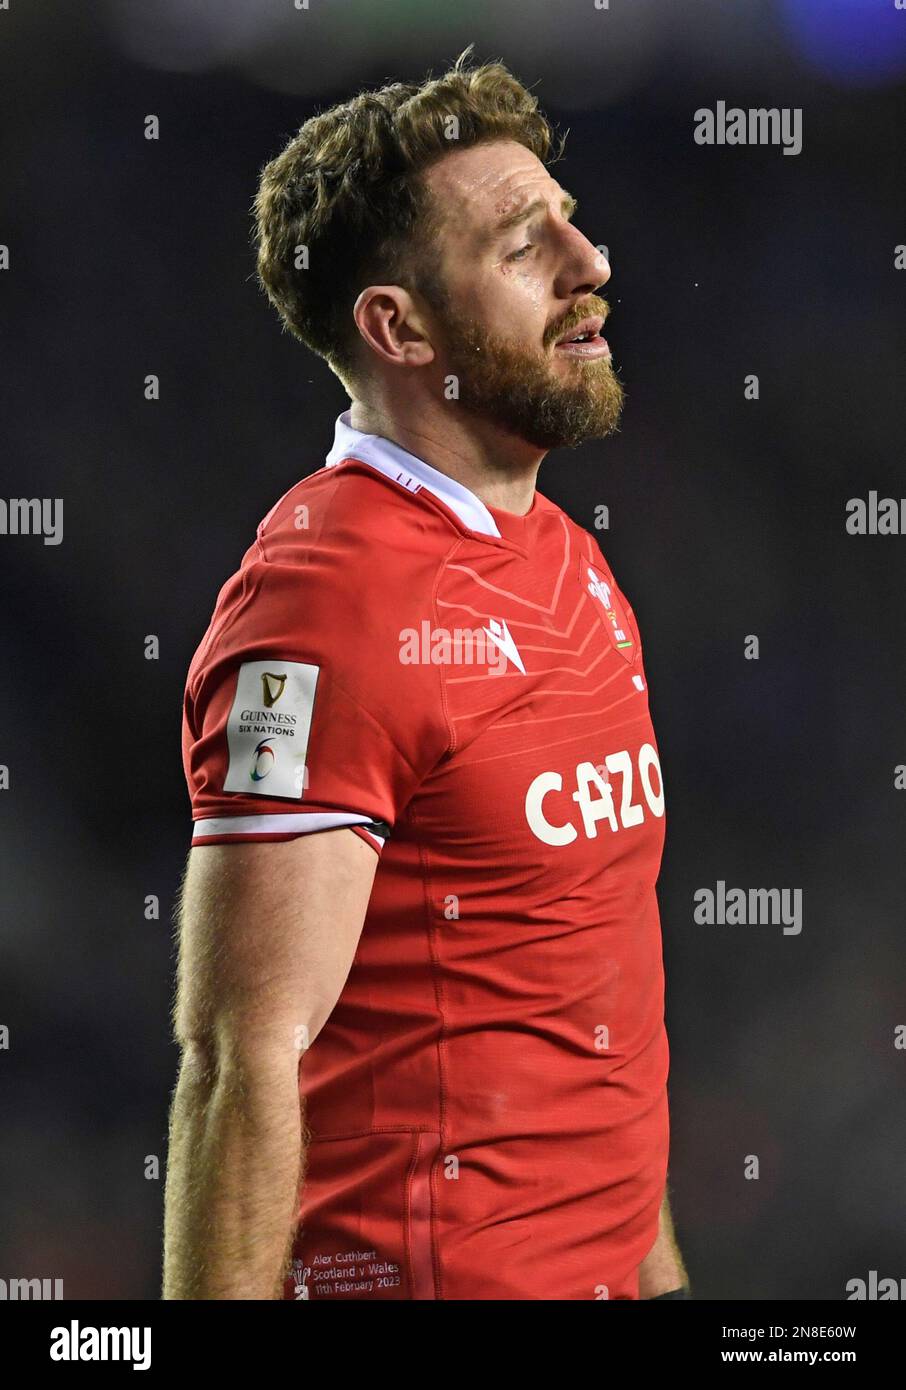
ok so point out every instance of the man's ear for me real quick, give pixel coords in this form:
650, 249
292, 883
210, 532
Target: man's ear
392, 325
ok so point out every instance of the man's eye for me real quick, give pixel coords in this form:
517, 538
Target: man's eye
521, 253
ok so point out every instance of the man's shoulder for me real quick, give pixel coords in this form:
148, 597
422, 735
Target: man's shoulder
345, 557
354, 510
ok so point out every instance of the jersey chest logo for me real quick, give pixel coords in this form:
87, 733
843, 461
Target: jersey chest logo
611, 608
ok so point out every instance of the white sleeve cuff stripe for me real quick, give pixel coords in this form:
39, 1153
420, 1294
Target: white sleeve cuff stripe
292, 823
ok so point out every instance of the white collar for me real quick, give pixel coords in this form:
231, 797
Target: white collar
411, 472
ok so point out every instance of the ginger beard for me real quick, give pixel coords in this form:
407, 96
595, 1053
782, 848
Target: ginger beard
547, 403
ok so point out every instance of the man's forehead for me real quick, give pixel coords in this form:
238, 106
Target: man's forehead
478, 186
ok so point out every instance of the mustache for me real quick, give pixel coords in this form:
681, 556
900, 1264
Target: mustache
591, 307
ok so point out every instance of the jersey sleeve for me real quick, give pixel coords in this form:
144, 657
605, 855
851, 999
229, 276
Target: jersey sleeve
299, 715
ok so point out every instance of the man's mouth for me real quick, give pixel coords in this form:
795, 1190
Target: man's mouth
584, 339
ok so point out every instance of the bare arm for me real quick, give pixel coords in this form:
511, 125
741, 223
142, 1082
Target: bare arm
268, 933
662, 1269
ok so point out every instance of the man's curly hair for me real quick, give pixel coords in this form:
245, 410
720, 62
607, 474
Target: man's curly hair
344, 205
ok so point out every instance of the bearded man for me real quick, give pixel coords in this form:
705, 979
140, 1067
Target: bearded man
421, 993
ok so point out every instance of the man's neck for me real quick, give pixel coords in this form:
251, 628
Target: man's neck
498, 468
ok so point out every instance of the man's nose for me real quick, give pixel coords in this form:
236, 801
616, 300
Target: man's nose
586, 267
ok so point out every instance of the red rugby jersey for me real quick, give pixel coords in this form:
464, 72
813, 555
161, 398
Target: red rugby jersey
464, 687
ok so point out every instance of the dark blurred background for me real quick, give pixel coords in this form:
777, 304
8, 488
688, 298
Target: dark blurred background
130, 256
